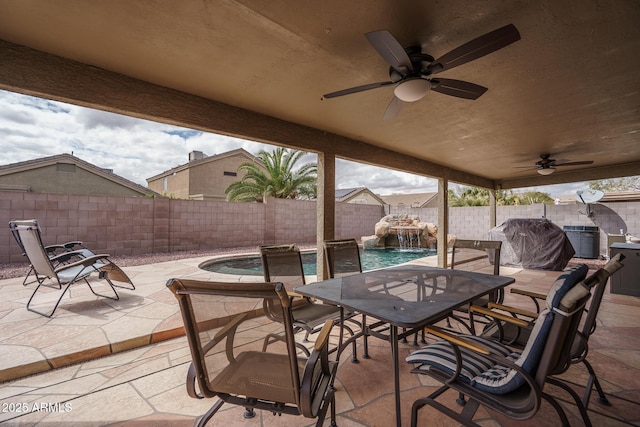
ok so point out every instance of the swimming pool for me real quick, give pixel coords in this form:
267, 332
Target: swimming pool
371, 259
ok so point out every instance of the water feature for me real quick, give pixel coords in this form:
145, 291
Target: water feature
408, 238
250, 265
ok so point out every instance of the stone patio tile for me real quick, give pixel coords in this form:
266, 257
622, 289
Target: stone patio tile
135, 370
161, 382
176, 401
19, 360
129, 327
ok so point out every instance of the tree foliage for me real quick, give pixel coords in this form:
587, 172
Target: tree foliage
275, 175
629, 183
473, 196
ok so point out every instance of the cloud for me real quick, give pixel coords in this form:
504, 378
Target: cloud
137, 149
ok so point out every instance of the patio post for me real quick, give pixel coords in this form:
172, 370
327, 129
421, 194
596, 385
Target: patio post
443, 221
325, 207
492, 208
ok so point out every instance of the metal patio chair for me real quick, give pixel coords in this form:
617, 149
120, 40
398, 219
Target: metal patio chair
493, 375
227, 328
61, 271
489, 250
283, 263
515, 334
343, 259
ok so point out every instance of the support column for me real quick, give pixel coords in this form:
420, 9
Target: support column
325, 207
492, 209
443, 221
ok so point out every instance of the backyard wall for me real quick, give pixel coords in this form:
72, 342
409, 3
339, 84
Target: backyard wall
134, 225
473, 222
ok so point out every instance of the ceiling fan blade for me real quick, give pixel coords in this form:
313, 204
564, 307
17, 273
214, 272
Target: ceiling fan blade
393, 108
357, 89
476, 48
565, 163
458, 88
390, 49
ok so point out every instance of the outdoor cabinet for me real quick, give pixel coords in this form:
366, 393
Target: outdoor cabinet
627, 280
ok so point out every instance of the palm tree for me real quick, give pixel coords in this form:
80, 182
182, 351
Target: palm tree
274, 176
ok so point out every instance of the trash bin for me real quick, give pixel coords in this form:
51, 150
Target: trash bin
625, 281
584, 239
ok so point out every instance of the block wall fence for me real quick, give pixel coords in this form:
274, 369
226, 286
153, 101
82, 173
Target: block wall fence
133, 225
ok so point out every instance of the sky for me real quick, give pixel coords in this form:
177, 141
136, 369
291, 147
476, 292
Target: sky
136, 149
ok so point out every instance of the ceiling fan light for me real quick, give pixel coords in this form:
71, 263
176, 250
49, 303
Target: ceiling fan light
546, 171
412, 90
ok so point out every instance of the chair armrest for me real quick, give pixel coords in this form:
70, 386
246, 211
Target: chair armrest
314, 382
191, 383
499, 316
531, 294
457, 340
86, 262
513, 310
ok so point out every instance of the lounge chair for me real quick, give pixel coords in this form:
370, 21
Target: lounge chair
226, 328
80, 251
61, 271
515, 334
491, 374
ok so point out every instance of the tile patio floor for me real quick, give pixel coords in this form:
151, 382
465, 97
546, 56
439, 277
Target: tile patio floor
101, 362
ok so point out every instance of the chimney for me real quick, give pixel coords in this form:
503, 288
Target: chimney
196, 155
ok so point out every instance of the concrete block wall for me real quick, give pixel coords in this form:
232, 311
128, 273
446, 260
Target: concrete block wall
133, 225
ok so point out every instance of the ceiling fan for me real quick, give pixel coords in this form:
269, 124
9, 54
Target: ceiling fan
411, 71
546, 165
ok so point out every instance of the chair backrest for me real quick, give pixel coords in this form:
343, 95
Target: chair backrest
27, 234
598, 282
282, 263
342, 257
548, 347
228, 336
491, 247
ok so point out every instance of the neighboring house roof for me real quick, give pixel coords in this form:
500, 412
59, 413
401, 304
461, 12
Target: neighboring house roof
347, 194
70, 159
415, 200
241, 151
621, 196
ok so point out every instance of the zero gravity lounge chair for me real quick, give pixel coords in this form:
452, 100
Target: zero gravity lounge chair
79, 250
60, 272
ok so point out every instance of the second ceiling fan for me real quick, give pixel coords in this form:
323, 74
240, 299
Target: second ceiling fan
411, 71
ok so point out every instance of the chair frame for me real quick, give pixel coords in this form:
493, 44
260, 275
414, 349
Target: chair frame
49, 271
492, 250
329, 248
313, 396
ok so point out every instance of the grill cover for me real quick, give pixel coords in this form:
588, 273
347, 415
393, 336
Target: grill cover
533, 243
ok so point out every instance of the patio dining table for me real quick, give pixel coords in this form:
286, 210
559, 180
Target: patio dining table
408, 296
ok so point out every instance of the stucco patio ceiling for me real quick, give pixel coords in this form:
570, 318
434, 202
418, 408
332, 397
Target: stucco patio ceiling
570, 87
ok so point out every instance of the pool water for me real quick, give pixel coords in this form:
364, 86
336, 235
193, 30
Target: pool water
371, 259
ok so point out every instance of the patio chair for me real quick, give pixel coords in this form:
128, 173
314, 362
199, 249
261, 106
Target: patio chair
514, 333
283, 263
490, 250
493, 375
60, 272
52, 250
226, 328
343, 259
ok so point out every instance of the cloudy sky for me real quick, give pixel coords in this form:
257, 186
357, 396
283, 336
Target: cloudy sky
136, 149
